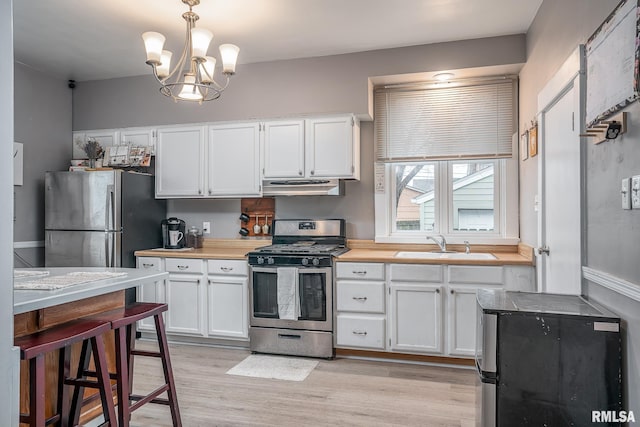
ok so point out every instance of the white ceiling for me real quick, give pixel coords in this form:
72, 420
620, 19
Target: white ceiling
100, 39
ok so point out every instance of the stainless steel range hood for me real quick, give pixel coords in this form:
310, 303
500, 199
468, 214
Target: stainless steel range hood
302, 187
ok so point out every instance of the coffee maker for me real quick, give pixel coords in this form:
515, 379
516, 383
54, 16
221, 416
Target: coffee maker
173, 233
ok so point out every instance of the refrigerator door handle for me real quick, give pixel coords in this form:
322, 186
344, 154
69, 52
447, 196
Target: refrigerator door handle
107, 251
110, 212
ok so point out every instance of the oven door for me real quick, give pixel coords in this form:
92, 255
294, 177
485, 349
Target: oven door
315, 299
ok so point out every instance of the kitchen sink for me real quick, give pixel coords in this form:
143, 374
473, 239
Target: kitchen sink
446, 255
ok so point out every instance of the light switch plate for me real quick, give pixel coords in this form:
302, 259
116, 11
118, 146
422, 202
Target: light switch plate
206, 227
635, 192
625, 192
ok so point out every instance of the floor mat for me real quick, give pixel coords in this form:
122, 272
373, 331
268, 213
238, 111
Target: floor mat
274, 367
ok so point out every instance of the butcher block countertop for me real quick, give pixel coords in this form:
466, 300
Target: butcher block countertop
211, 249
368, 251
361, 251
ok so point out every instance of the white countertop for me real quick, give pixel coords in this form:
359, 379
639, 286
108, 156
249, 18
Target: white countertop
30, 300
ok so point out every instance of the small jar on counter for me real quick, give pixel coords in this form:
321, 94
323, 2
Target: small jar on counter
194, 238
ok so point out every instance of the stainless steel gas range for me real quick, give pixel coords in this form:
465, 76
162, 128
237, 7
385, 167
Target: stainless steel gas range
291, 288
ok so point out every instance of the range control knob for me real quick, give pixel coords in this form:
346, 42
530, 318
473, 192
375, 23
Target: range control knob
315, 261
305, 261
270, 260
260, 260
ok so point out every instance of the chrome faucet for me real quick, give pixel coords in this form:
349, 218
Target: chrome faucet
441, 244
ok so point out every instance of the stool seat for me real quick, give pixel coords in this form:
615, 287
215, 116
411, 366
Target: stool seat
130, 314
59, 336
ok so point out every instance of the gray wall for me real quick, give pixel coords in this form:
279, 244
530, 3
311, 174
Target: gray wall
9, 368
324, 85
43, 125
612, 235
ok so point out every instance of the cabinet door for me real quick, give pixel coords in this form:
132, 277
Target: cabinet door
234, 160
228, 307
284, 149
416, 318
141, 137
461, 319
186, 303
106, 138
329, 147
150, 292
180, 162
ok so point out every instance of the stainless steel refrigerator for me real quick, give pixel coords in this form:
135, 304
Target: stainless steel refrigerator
100, 218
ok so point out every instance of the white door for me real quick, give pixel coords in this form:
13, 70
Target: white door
228, 307
180, 162
185, 300
234, 160
560, 224
284, 149
150, 292
141, 137
461, 320
330, 147
416, 318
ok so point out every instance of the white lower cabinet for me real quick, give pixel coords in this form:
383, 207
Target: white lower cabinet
422, 308
227, 299
151, 292
185, 296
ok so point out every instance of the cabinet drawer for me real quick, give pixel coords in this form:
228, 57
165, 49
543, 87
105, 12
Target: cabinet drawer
359, 270
184, 265
360, 331
416, 273
475, 275
150, 263
228, 267
360, 296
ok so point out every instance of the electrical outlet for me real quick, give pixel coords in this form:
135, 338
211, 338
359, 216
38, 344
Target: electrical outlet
206, 227
625, 191
635, 192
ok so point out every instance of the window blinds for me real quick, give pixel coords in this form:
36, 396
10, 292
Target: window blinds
460, 122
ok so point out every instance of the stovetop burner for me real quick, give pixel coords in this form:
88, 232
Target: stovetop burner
301, 248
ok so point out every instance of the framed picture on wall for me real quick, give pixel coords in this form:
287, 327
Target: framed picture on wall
533, 141
524, 146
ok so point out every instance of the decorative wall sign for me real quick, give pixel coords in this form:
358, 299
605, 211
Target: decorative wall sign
613, 59
524, 146
533, 141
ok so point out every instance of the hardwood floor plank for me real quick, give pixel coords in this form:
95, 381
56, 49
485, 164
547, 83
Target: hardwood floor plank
344, 392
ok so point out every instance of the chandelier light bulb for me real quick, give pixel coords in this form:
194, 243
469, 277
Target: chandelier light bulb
153, 43
207, 69
229, 55
189, 90
165, 64
200, 39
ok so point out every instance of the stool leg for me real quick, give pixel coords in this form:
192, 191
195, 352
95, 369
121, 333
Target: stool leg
100, 360
78, 391
168, 371
64, 369
122, 369
36, 391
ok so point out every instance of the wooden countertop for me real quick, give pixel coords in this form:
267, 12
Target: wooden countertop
361, 251
211, 249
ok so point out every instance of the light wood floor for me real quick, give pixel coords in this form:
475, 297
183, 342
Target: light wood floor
340, 392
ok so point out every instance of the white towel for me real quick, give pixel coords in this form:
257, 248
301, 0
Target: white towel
288, 306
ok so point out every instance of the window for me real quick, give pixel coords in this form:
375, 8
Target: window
446, 160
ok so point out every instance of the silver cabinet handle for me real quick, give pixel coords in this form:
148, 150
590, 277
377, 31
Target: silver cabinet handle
226, 269
199, 191
361, 333
360, 298
362, 272
452, 292
437, 291
183, 267
312, 172
300, 173
148, 265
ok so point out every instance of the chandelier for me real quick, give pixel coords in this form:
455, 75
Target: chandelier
191, 79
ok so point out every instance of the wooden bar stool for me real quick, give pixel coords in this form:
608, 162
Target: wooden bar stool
122, 321
33, 349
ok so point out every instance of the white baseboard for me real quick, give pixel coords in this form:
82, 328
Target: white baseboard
609, 281
28, 244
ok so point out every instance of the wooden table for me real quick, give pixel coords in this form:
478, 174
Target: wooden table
36, 310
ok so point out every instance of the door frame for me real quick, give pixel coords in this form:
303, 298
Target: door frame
571, 74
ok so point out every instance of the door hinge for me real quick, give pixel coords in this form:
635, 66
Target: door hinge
353, 122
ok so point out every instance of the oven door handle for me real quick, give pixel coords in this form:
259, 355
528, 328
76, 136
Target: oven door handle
290, 336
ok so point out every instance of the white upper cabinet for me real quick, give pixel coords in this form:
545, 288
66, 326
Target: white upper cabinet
284, 149
333, 147
180, 162
105, 137
234, 160
139, 137
327, 147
